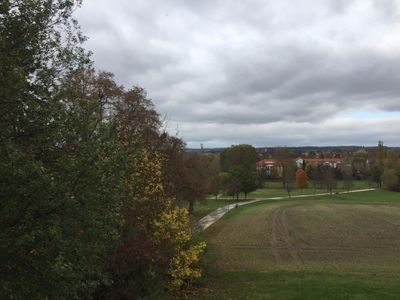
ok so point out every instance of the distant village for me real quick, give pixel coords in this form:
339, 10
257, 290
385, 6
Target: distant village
358, 158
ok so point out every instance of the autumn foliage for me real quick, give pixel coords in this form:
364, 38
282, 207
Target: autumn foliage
156, 253
301, 179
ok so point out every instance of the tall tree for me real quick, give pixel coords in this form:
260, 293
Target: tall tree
60, 165
381, 153
391, 173
284, 158
328, 177
376, 174
238, 155
239, 162
248, 181
347, 174
378, 165
193, 186
212, 170
312, 172
288, 176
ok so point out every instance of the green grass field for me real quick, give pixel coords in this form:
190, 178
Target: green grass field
271, 189
332, 247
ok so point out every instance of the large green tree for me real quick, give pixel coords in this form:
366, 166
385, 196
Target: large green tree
238, 155
391, 173
238, 164
59, 163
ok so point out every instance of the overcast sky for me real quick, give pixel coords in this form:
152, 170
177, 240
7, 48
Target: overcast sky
267, 73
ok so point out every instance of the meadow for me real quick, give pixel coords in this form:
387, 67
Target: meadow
270, 189
344, 246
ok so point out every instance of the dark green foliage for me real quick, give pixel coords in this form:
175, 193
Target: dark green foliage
391, 179
391, 173
60, 206
60, 166
238, 164
248, 179
376, 174
238, 155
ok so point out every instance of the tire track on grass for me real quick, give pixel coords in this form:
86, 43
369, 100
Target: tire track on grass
293, 251
274, 238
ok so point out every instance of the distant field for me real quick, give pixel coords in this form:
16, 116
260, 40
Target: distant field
272, 189
344, 245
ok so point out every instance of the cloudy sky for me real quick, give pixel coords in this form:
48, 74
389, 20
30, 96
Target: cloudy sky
263, 72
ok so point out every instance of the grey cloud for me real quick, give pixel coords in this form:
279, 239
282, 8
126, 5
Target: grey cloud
294, 134
251, 63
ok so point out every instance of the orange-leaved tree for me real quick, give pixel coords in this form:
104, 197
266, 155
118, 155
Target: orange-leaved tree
301, 179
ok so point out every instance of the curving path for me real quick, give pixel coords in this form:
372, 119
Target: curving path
217, 214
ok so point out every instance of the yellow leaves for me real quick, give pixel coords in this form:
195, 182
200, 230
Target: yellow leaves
172, 229
173, 223
146, 179
181, 268
167, 225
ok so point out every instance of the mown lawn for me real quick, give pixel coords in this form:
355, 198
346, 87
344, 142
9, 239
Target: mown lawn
333, 247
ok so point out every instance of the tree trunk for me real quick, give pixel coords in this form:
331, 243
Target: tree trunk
191, 207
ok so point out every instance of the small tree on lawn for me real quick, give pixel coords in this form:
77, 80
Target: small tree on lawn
347, 177
328, 177
288, 176
376, 174
311, 171
194, 181
301, 179
249, 181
